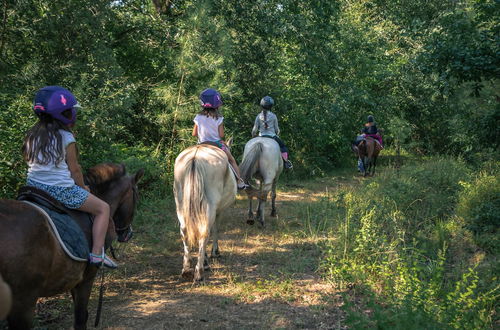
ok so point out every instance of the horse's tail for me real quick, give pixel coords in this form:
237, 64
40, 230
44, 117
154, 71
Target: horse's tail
5, 299
194, 203
354, 148
248, 163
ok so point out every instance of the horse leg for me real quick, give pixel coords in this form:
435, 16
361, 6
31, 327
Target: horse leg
81, 295
250, 219
273, 199
22, 312
199, 269
187, 273
262, 202
374, 165
366, 163
215, 241
204, 234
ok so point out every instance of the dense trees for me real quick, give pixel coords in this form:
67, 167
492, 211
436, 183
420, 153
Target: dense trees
137, 67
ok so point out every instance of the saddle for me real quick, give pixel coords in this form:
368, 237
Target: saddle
41, 197
211, 143
72, 227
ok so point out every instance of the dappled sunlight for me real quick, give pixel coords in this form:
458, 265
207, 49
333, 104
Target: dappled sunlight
271, 271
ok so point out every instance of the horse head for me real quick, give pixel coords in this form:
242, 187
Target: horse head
111, 183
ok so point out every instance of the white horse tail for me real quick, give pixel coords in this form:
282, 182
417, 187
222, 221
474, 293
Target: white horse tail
194, 203
248, 164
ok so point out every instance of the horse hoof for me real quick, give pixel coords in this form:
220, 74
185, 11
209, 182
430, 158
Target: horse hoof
215, 254
198, 279
273, 214
187, 275
250, 221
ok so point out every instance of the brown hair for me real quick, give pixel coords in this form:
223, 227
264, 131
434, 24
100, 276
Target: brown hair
264, 111
44, 140
210, 112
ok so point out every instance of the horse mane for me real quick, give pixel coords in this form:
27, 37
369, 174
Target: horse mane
101, 176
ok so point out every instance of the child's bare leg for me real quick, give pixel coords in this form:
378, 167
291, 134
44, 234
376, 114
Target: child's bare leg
233, 163
100, 210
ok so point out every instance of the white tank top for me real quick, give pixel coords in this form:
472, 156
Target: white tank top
52, 174
208, 128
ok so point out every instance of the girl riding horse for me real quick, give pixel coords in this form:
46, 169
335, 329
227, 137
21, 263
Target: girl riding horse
209, 127
266, 123
50, 150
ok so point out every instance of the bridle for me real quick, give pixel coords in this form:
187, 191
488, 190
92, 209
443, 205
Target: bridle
127, 230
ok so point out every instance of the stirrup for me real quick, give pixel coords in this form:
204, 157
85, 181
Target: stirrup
99, 260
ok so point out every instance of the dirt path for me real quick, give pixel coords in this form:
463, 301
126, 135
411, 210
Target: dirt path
265, 278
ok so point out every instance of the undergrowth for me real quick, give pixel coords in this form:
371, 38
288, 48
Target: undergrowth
398, 241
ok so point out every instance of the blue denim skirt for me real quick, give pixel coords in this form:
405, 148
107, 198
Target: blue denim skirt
72, 197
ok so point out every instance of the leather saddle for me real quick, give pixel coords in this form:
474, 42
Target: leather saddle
38, 196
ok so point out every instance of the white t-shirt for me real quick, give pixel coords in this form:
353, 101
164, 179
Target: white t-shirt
208, 128
52, 174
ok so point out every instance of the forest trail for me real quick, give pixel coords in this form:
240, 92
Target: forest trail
265, 278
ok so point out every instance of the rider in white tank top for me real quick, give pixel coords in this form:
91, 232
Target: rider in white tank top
208, 127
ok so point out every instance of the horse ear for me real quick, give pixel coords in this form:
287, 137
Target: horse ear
139, 175
229, 141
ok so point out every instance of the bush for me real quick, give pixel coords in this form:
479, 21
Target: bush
400, 239
479, 206
157, 178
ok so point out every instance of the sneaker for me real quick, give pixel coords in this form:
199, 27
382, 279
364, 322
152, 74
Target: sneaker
242, 185
103, 259
288, 164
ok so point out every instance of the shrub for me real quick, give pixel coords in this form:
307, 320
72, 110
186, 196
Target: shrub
479, 206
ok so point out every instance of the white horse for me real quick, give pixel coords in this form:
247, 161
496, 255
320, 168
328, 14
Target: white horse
204, 186
261, 161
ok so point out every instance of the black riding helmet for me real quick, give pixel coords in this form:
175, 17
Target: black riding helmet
371, 119
267, 102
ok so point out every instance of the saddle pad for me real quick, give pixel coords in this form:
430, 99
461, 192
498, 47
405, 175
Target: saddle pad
67, 231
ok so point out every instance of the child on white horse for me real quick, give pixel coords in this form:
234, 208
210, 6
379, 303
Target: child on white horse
209, 127
266, 124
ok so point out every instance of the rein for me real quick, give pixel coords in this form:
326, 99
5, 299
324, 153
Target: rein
128, 228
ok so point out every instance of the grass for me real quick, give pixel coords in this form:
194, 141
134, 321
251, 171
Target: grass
338, 239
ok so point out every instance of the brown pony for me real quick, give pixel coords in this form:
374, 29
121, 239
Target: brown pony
368, 151
34, 264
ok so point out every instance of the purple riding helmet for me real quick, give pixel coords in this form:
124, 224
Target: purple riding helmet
210, 98
54, 100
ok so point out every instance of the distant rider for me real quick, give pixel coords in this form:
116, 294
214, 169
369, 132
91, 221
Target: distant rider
266, 124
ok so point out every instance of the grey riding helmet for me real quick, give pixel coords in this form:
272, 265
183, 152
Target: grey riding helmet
267, 102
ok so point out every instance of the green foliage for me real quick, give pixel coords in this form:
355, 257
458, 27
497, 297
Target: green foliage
399, 241
137, 72
479, 205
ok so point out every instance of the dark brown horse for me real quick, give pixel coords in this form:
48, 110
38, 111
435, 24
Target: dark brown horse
368, 151
33, 263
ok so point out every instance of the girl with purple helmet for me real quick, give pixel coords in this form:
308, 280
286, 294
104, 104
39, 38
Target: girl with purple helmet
50, 150
209, 127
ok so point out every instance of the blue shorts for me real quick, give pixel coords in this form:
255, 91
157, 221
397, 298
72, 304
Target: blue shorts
71, 197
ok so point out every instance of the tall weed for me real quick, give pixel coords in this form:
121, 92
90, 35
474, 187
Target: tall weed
479, 206
398, 244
